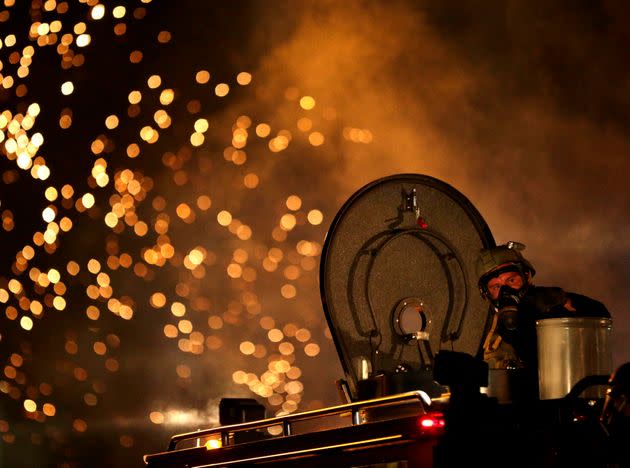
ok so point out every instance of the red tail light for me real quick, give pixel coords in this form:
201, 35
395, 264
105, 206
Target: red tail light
432, 422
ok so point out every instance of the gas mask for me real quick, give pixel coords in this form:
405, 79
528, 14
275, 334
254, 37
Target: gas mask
507, 305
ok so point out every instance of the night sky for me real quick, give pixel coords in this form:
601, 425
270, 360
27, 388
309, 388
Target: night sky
170, 170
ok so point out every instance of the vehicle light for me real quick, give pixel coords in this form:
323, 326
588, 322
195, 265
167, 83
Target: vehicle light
213, 444
432, 421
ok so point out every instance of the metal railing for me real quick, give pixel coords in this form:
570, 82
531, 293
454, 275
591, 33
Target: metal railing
287, 421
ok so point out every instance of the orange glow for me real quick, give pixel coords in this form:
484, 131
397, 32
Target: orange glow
316, 139
275, 335
311, 349
222, 89
156, 417
224, 218
294, 203
213, 444
247, 347
244, 78
202, 77
30, 406
167, 199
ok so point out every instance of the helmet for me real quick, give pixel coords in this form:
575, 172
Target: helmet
494, 259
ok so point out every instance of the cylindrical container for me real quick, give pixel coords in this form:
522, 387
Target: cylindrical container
570, 349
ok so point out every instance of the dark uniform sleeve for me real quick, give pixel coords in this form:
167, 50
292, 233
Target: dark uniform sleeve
586, 307
549, 302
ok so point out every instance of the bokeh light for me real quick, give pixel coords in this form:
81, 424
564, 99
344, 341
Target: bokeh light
148, 252
167, 190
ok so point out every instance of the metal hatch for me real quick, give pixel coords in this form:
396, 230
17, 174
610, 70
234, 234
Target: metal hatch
397, 276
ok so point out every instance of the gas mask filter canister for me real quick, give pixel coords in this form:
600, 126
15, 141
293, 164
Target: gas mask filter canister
507, 305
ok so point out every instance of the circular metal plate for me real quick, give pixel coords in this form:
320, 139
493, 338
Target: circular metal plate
406, 237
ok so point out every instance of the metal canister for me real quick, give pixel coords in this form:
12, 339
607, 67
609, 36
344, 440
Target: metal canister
569, 349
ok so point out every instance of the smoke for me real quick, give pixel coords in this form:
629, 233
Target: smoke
523, 109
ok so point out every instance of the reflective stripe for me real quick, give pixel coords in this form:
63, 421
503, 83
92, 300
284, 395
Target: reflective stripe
486, 343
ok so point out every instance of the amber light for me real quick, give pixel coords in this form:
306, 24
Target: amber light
213, 444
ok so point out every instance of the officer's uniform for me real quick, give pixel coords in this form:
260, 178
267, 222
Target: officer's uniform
505, 348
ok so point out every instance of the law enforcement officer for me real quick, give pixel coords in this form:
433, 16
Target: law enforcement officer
506, 281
